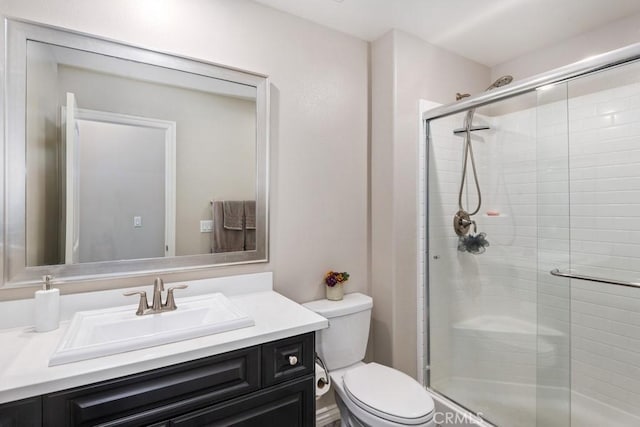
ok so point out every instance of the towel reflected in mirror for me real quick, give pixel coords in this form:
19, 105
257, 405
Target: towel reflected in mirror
234, 226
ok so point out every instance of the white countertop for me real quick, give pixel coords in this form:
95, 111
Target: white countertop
24, 355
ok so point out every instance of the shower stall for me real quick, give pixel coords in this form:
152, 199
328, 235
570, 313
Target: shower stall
542, 326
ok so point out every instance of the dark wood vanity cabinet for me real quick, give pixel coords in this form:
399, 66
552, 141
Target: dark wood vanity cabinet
266, 385
22, 413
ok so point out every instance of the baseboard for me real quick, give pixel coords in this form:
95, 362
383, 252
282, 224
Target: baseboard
327, 415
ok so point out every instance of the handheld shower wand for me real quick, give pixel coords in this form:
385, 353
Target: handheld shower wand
473, 243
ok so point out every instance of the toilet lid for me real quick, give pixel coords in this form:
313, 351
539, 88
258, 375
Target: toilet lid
388, 393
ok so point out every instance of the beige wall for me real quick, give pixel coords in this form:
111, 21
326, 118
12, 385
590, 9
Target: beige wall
382, 209
608, 37
405, 69
319, 108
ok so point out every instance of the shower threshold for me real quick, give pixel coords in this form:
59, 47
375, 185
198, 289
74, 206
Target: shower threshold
514, 405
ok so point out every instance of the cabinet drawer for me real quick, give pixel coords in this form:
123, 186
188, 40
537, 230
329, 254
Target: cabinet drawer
291, 405
154, 395
287, 358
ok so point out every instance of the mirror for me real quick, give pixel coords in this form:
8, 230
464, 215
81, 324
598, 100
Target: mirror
122, 160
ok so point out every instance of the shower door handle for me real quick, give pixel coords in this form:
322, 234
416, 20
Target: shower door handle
556, 272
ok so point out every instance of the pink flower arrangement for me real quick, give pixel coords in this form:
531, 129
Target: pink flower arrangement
333, 278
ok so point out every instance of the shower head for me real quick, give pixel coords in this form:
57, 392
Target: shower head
502, 81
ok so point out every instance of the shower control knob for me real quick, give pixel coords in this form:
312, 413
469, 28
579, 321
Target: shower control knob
293, 360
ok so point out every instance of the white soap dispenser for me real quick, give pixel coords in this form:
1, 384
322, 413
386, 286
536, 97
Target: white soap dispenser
47, 307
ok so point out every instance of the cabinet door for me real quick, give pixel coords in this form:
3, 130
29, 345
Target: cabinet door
286, 405
22, 413
287, 359
156, 395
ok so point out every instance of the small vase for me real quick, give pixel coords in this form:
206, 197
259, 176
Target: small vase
335, 293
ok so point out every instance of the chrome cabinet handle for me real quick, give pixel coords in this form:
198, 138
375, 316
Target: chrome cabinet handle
293, 360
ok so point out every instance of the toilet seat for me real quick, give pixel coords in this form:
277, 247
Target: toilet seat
388, 394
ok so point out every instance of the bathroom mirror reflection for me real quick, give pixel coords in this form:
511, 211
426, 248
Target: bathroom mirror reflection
123, 159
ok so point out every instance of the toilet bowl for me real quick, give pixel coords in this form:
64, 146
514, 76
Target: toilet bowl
376, 395
367, 394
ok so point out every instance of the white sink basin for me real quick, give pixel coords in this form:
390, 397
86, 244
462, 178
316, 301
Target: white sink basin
109, 331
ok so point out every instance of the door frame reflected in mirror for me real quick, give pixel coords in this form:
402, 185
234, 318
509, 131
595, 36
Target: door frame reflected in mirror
74, 251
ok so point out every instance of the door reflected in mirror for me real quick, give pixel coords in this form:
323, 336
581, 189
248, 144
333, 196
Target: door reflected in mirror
124, 158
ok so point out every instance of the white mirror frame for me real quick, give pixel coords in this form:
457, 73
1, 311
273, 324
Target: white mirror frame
15, 273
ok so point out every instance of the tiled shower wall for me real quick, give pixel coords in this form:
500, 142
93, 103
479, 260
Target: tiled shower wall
590, 224
604, 143
524, 166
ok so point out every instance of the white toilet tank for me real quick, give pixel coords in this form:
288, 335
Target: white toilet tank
345, 341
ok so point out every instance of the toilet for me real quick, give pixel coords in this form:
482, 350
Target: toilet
367, 394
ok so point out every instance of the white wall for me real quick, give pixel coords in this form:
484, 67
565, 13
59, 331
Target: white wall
318, 182
405, 69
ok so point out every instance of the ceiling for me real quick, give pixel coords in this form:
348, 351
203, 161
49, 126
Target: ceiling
487, 31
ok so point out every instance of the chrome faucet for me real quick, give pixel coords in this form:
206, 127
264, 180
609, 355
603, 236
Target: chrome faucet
157, 306
158, 289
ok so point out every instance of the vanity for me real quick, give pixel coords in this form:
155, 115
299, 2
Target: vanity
258, 375
258, 385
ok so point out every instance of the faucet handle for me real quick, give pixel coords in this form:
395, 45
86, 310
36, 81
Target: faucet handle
171, 301
143, 304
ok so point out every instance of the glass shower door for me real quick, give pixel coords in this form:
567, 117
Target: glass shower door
486, 341
553, 355
542, 329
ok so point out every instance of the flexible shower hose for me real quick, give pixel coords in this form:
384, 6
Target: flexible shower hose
468, 153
